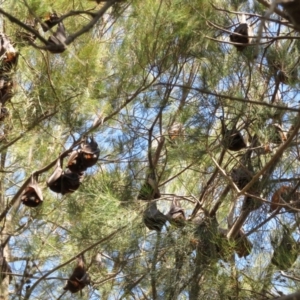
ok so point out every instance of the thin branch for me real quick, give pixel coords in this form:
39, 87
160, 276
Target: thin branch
153, 267
294, 296
205, 91
29, 291
289, 276
175, 176
244, 214
23, 25
90, 25
264, 222
212, 178
30, 127
279, 12
275, 9
70, 38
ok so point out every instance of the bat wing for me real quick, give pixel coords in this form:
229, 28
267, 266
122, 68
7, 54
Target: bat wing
153, 218
55, 176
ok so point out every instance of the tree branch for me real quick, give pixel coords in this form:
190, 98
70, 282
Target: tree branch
29, 291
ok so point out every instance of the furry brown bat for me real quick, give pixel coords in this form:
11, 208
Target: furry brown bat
64, 182
232, 139
241, 177
79, 278
153, 218
85, 157
241, 34
8, 55
176, 215
56, 42
32, 195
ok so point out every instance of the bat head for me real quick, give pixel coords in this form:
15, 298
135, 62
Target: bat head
90, 152
50, 21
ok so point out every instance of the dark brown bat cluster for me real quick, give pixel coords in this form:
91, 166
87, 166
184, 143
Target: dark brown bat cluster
69, 180
79, 278
63, 182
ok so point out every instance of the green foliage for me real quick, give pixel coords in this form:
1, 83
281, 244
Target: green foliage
141, 68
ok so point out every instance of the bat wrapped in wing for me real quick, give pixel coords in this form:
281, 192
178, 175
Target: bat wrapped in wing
176, 215
64, 182
153, 218
32, 195
79, 278
85, 157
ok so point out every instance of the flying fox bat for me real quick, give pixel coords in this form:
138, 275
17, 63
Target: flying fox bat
85, 157
79, 278
64, 182
32, 195
176, 215
153, 218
